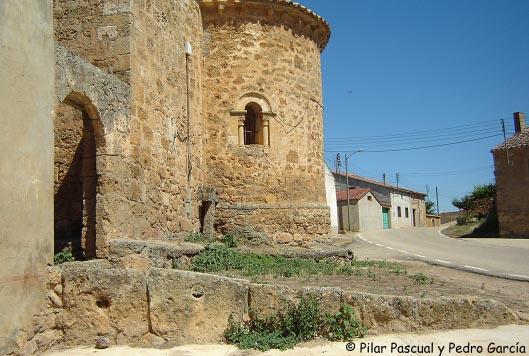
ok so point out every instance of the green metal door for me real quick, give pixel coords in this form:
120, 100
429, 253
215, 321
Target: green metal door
385, 217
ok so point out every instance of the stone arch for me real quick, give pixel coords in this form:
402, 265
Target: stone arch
253, 97
79, 147
253, 109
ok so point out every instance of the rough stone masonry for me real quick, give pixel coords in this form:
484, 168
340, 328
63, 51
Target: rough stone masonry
219, 96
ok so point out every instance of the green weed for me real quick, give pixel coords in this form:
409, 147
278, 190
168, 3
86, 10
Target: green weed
216, 258
64, 256
420, 278
300, 323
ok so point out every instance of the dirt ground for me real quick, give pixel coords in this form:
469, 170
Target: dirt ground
441, 281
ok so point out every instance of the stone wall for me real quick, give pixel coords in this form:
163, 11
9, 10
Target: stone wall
147, 181
262, 53
92, 111
166, 191
26, 193
512, 182
97, 30
165, 307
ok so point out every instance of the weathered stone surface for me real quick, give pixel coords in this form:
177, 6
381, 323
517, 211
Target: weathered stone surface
103, 301
276, 188
160, 307
266, 299
103, 342
192, 307
159, 254
146, 184
512, 183
386, 314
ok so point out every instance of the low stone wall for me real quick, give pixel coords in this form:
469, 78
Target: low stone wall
163, 307
283, 224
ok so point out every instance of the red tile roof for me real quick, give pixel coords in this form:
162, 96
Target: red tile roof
372, 181
354, 194
519, 140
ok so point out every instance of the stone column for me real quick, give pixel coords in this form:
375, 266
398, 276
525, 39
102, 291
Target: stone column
266, 132
241, 132
209, 200
208, 229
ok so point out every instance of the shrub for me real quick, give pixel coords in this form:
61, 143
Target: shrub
64, 256
217, 258
196, 238
230, 240
300, 323
464, 220
344, 325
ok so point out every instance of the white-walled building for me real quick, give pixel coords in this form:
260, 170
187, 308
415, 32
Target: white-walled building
330, 192
398, 207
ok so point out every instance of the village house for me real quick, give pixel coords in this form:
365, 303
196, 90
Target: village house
397, 207
511, 163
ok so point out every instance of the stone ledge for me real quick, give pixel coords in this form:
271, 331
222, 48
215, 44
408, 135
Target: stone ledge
144, 254
161, 307
257, 206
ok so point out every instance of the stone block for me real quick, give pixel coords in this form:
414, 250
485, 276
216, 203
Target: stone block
268, 299
188, 307
103, 301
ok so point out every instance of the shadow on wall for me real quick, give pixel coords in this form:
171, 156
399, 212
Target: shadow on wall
76, 142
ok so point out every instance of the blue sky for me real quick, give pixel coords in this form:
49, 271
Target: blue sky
396, 67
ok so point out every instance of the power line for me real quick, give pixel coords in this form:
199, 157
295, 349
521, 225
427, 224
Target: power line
405, 140
432, 131
425, 147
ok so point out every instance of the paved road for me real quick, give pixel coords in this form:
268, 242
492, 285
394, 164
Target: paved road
495, 257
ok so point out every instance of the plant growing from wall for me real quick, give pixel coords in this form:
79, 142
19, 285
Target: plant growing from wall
302, 322
344, 325
64, 256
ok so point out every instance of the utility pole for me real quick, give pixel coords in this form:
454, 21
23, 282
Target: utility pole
338, 163
437, 197
398, 179
505, 141
384, 178
347, 183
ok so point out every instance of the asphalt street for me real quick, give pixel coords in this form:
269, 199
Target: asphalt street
496, 257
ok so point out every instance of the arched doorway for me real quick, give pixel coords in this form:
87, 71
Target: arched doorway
77, 138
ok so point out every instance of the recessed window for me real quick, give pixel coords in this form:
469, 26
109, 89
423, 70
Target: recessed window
253, 125
399, 212
407, 212
369, 198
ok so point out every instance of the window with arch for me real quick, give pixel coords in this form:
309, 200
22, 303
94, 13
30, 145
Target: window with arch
253, 125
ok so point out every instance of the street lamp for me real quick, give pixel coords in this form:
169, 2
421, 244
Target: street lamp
347, 156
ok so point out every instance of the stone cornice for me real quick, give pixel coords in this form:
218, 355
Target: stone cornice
302, 20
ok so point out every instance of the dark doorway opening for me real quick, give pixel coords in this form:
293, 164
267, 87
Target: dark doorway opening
76, 181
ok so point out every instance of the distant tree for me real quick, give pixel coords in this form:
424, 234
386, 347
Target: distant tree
430, 207
479, 202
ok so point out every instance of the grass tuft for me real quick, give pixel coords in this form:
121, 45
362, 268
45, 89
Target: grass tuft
217, 258
302, 322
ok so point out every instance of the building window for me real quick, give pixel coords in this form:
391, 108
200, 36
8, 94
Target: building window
399, 212
253, 125
369, 198
407, 213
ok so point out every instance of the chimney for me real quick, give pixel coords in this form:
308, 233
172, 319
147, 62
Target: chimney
519, 122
